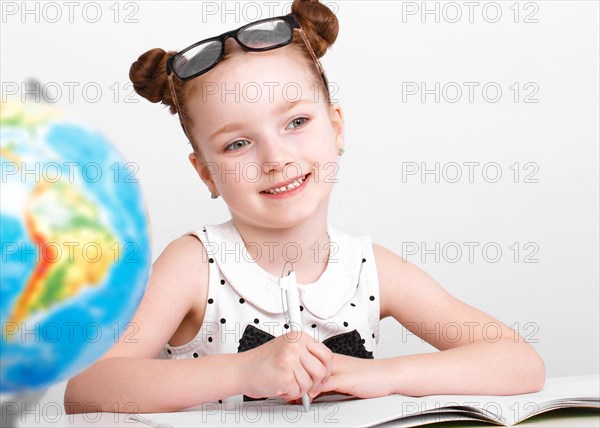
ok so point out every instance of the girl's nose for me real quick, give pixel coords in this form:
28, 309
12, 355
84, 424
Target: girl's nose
275, 154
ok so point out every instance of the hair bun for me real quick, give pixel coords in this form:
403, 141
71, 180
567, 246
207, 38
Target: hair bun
149, 77
318, 22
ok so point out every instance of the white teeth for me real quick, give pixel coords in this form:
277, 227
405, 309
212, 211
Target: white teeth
290, 186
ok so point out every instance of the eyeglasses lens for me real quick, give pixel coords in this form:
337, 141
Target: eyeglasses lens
266, 34
198, 58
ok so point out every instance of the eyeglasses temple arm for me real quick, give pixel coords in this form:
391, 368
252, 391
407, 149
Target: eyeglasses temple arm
314, 57
174, 96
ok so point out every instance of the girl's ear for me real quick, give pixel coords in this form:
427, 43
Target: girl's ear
336, 116
203, 171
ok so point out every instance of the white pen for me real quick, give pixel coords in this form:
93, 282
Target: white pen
291, 291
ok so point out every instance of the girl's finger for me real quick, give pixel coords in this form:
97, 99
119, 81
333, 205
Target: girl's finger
321, 388
314, 367
303, 380
323, 353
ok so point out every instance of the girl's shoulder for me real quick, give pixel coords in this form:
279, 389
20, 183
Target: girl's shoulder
183, 265
178, 280
188, 248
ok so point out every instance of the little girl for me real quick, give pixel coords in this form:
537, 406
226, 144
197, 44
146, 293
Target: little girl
212, 326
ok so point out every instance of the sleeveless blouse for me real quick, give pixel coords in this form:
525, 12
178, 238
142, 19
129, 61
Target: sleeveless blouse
245, 307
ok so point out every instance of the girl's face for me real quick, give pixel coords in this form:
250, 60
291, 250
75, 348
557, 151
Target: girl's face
260, 120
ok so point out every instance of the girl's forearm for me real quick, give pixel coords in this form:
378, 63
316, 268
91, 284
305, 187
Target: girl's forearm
480, 368
132, 385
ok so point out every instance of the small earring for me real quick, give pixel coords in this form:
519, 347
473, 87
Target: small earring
213, 195
341, 151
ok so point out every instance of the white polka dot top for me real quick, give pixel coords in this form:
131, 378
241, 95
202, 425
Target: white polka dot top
245, 307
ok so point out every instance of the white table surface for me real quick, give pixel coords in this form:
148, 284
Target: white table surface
48, 412
571, 418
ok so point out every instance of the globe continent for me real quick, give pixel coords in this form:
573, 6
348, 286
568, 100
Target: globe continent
75, 246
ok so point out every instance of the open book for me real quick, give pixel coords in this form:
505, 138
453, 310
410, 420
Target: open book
406, 411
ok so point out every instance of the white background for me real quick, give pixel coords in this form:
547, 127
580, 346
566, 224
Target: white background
554, 301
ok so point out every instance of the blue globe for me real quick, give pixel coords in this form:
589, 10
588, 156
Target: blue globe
75, 246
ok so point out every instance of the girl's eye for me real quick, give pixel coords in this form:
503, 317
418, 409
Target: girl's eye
298, 122
235, 146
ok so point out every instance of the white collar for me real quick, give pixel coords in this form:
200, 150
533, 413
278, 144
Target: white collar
323, 298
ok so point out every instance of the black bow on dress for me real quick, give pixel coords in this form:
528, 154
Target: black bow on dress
350, 343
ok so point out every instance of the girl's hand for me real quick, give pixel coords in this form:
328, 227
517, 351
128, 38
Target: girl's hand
362, 378
287, 367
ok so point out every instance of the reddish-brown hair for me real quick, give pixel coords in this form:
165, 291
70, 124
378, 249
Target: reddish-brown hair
149, 76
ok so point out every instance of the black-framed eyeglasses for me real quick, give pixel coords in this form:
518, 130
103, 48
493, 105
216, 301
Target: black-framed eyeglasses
259, 36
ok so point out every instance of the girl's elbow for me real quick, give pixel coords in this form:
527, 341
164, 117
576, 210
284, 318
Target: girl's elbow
540, 377
73, 397
537, 372
70, 398
528, 368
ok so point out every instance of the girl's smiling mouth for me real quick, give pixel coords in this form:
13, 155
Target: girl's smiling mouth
284, 190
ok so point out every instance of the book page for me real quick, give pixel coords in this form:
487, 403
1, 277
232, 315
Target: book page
339, 410
356, 412
572, 391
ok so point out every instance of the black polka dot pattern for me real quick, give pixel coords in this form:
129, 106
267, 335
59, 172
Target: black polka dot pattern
350, 344
253, 337
346, 343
